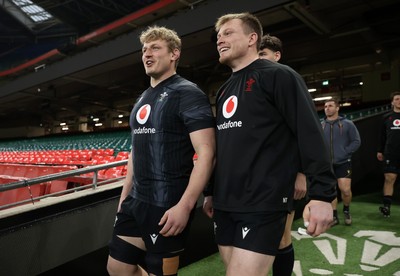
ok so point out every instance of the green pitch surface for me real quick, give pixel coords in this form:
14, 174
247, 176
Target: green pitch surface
370, 246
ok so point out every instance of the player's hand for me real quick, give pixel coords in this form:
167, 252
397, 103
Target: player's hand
208, 206
300, 186
174, 220
318, 216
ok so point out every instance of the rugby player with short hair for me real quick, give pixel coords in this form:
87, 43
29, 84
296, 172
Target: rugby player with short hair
272, 132
170, 121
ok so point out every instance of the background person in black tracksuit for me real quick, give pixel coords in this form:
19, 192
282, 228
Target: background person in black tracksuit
389, 151
271, 49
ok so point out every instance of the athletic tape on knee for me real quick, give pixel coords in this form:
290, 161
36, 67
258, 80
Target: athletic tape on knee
163, 264
171, 265
126, 252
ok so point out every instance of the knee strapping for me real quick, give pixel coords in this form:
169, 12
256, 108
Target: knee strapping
163, 264
126, 252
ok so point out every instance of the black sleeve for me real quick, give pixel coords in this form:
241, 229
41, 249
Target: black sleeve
195, 109
382, 135
294, 101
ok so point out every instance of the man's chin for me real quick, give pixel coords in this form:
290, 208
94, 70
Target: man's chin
223, 60
150, 73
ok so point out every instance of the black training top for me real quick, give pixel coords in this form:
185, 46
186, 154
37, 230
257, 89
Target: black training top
266, 127
162, 152
390, 136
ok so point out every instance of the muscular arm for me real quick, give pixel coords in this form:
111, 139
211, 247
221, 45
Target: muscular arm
175, 219
204, 145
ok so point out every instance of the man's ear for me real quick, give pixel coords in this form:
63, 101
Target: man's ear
253, 39
277, 56
176, 53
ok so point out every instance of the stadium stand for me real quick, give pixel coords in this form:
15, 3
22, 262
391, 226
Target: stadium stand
19, 194
22, 159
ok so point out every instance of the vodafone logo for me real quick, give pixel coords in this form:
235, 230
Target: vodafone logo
396, 122
143, 114
229, 107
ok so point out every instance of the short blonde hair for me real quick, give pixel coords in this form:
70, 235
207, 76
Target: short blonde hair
250, 24
154, 33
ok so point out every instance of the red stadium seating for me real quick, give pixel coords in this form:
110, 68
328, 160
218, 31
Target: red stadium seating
15, 195
19, 165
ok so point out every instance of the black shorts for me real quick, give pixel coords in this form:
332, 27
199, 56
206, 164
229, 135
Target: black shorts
342, 170
296, 203
391, 166
259, 232
140, 219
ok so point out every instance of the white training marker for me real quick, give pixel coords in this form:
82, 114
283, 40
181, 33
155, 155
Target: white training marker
302, 231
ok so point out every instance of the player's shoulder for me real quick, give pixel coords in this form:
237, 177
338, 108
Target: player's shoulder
274, 68
180, 83
387, 116
183, 88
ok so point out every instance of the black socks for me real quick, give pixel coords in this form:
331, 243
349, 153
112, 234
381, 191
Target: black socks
284, 262
387, 200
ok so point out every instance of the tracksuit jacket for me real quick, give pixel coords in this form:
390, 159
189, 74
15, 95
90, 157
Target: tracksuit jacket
343, 139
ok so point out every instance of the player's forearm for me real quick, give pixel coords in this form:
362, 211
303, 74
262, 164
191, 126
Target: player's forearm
199, 178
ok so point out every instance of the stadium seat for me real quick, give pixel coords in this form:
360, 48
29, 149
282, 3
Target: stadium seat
122, 155
108, 159
19, 194
56, 186
9, 169
2, 168
112, 172
32, 171
7, 197
109, 151
20, 170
